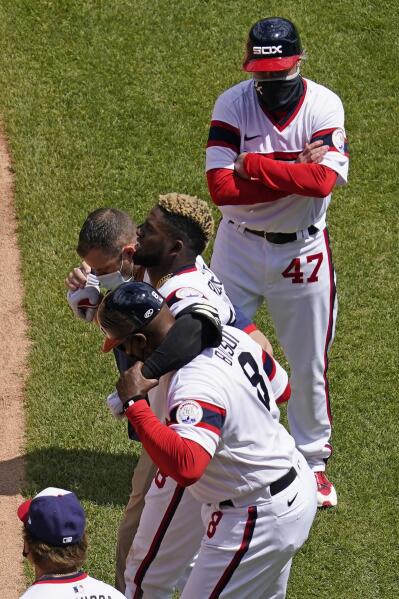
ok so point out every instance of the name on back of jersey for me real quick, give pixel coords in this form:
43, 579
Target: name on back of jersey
225, 351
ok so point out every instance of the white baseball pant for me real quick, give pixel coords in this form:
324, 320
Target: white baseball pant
245, 552
297, 279
166, 543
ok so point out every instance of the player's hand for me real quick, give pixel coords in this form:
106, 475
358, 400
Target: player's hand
262, 340
313, 153
77, 277
131, 383
239, 166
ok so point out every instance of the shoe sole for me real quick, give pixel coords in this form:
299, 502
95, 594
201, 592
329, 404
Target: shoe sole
326, 504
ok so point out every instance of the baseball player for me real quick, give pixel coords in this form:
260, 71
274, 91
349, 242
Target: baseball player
182, 511
272, 242
169, 242
55, 544
257, 493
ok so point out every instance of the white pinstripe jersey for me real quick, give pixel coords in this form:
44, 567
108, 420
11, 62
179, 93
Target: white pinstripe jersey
199, 284
223, 400
239, 124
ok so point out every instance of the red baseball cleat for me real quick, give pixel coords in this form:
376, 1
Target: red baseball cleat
326, 493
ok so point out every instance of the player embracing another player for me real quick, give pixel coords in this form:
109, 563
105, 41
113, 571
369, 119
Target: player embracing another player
224, 447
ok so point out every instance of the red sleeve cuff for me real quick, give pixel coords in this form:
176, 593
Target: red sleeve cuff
307, 179
250, 328
285, 396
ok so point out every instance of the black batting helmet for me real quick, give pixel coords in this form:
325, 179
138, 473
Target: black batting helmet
127, 310
273, 45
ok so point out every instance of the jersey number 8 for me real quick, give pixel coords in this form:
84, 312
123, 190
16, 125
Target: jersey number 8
251, 371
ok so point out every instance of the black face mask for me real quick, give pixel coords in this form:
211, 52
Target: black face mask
279, 95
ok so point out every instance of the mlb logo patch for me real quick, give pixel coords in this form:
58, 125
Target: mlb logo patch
79, 588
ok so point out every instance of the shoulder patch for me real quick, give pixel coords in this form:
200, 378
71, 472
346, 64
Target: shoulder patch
184, 292
338, 140
189, 412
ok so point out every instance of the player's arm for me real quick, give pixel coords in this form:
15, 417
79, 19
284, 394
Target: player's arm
183, 459
226, 187
306, 179
197, 327
314, 178
223, 147
243, 323
278, 378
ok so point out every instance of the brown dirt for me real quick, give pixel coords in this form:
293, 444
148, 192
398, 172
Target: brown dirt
13, 352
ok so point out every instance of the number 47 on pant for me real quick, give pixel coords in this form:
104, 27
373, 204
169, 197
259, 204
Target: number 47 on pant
294, 272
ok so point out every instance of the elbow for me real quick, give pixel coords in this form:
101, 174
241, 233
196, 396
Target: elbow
219, 184
325, 189
186, 481
219, 197
189, 474
326, 182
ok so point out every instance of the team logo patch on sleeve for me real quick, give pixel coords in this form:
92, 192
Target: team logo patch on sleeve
338, 140
189, 412
184, 292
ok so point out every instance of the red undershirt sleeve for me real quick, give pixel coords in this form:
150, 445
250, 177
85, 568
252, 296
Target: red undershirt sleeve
182, 459
225, 187
307, 179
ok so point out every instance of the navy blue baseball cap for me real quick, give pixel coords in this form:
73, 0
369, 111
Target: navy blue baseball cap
274, 45
126, 311
54, 516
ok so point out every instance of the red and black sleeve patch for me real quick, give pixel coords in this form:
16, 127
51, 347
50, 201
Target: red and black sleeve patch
212, 419
326, 135
224, 135
269, 365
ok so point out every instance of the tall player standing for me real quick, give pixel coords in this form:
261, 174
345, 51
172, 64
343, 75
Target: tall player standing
274, 205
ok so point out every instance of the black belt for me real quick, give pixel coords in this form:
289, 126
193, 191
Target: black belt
279, 485
278, 237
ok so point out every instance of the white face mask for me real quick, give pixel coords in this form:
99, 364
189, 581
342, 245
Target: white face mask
112, 280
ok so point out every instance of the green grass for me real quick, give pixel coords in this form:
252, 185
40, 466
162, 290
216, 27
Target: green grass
108, 103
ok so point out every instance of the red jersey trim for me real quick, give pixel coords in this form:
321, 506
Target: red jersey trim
212, 407
62, 580
285, 396
225, 126
324, 132
250, 328
209, 427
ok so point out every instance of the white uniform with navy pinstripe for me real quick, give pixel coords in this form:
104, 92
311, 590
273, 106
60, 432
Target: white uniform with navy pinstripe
297, 278
258, 495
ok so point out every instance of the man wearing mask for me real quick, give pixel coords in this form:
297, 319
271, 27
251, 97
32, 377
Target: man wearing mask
277, 147
167, 246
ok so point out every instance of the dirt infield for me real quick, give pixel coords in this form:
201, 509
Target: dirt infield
13, 352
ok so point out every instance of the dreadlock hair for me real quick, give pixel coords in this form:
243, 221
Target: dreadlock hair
108, 229
190, 217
